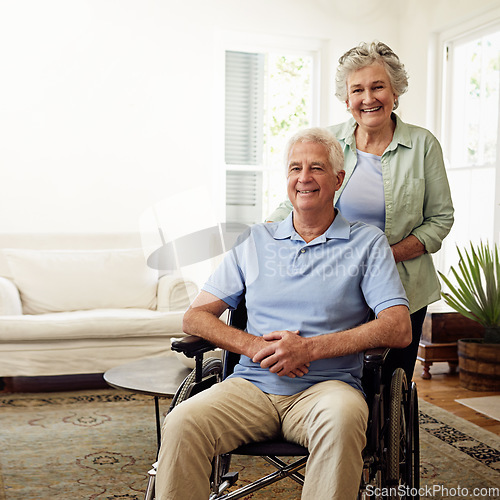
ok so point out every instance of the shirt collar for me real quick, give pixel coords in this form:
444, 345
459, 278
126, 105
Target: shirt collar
346, 133
401, 134
340, 228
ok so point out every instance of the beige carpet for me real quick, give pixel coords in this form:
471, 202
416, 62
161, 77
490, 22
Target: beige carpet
487, 405
458, 460
98, 445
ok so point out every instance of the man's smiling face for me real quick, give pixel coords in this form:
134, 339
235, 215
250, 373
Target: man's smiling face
311, 180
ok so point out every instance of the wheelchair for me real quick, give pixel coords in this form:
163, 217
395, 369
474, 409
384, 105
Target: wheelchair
391, 458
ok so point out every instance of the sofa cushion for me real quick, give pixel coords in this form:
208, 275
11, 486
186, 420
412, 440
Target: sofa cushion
10, 301
96, 324
70, 280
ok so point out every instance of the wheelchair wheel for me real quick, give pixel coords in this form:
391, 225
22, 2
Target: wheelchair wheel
211, 367
412, 476
397, 436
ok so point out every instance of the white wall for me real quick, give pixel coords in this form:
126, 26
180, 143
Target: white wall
106, 107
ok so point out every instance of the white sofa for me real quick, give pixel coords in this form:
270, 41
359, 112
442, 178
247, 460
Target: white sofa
70, 311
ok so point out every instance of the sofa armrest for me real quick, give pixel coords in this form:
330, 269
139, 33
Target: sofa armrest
10, 300
172, 323
174, 293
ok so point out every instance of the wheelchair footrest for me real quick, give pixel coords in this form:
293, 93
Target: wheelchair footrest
230, 477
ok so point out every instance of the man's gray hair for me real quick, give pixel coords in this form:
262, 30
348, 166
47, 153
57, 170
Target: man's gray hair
364, 55
319, 136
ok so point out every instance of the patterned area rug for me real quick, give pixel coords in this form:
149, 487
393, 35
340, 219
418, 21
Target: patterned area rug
100, 445
458, 460
487, 405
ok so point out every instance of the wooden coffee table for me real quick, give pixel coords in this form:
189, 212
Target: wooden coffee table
159, 376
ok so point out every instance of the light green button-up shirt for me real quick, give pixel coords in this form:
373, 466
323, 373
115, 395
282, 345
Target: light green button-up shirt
417, 200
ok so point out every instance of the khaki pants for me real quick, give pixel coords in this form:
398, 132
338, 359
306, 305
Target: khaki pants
329, 419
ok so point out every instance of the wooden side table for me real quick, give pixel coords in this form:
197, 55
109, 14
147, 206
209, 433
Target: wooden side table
440, 333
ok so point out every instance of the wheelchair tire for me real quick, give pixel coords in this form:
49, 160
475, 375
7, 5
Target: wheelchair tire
413, 444
211, 366
397, 436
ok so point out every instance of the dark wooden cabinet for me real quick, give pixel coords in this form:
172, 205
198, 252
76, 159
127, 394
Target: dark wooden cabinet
440, 334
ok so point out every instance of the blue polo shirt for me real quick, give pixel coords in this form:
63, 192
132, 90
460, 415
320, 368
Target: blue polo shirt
329, 284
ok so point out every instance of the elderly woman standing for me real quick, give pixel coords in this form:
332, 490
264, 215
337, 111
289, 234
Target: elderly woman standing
395, 178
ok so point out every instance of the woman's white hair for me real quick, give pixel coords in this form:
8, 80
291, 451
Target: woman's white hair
364, 55
319, 136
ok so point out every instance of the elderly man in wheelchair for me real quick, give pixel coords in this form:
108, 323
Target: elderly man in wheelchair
311, 284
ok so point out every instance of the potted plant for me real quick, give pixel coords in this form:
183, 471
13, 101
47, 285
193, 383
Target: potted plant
476, 295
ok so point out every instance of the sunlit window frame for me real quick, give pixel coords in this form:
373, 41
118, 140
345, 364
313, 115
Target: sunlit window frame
247, 42
438, 89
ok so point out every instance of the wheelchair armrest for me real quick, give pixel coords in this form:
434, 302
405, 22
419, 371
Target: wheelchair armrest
374, 358
192, 346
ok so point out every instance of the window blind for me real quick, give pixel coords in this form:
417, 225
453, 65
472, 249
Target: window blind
244, 108
244, 135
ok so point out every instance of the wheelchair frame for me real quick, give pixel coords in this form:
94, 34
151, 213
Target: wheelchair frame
391, 464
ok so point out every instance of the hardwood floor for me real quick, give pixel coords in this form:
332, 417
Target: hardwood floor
442, 390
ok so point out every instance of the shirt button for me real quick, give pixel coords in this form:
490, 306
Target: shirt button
303, 250
389, 206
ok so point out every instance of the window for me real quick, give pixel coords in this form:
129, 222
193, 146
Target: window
268, 96
470, 131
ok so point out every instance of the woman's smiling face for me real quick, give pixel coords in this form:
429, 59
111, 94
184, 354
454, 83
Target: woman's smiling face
370, 97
